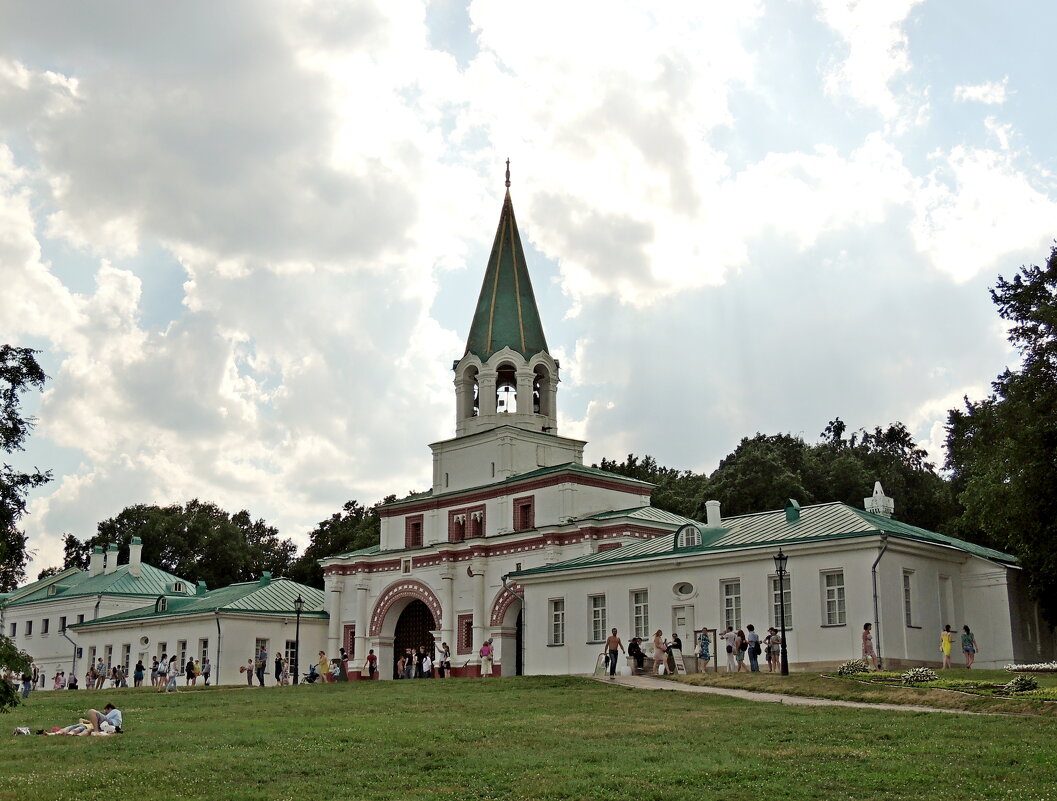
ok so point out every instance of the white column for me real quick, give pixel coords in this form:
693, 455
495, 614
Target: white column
362, 622
447, 610
334, 610
486, 394
480, 614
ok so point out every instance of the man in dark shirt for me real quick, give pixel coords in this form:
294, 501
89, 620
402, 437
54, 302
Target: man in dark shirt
635, 652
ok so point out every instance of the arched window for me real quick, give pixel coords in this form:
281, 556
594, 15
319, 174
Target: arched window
687, 537
506, 389
161, 604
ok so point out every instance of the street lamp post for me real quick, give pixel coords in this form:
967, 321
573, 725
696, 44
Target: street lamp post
299, 606
780, 560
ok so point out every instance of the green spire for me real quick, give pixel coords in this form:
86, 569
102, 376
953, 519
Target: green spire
506, 312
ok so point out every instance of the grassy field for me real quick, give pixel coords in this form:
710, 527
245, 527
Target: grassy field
817, 685
527, 738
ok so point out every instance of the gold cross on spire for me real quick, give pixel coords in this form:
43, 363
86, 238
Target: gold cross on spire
508, 173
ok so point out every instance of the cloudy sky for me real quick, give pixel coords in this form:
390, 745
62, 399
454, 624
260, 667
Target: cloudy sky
248, 237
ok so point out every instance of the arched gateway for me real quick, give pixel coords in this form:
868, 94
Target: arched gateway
406, 615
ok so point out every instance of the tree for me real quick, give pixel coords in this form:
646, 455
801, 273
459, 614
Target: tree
1002, 450
19, 373
17, 662
675, 489
197, 541
351, 529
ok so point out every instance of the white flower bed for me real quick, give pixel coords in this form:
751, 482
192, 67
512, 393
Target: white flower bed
1038, 667
853, 668
919, 675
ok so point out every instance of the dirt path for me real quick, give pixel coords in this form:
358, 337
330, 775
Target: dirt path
651, 683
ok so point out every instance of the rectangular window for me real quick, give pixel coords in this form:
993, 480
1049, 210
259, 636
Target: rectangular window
833, 597
413, 531
557, 620
29, 628
62, 624
181, 649
126, 656
464, 645
457, 525
259, 645
732, 604
45, 625
163, 650
80, 618
108, 657
598, 618
524, 513
778, 597
203, 648
289, 653
91, 656
640, 613
406, 565
908, 597
14, 630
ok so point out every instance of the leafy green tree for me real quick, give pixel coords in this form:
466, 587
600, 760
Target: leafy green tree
198, 541
1002, 450
19, 373
676, 489
351, 529
17, 662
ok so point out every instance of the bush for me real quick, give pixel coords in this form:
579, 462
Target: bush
919, 675
1022, 684
853, 668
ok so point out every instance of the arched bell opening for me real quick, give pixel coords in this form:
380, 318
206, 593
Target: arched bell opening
542, 398
506, 389
468, 393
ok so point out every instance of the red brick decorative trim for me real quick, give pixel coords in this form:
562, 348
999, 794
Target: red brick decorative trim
503, 601
350, 640
408, 588
480, 496
464, 635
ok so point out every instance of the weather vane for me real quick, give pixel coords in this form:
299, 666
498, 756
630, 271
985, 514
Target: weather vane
508, 173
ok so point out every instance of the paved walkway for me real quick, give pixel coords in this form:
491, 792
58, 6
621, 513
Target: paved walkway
651, 683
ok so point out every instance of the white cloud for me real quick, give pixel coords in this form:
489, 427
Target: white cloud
991, 93
877, 51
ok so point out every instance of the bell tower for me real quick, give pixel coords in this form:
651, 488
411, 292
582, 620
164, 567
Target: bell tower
506, 376
506, 383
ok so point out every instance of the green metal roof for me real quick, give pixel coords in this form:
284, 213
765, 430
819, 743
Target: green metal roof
827, 521
370, 549
506, 314
254, 597
151, 582
574, 467
647, 514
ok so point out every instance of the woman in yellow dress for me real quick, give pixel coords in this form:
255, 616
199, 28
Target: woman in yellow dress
946, 641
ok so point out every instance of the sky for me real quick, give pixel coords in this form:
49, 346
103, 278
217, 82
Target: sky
248, 237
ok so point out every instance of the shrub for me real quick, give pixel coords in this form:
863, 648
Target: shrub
853, 668
919, 675
1022, 684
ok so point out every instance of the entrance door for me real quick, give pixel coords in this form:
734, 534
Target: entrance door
519, 647
413, 629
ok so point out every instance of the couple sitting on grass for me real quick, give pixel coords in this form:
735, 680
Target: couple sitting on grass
97, 723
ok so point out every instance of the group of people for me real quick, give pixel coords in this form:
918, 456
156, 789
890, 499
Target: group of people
421, 664
167, 670
968, 643
106, 722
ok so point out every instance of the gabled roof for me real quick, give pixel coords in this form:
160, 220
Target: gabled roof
571, 467
252, 597
506, 314
73, 583
647, 514
821, 522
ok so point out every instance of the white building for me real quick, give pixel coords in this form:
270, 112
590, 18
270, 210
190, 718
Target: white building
229, 625
519, 542
38, 617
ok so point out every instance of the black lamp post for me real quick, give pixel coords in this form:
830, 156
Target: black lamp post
780, 560
299, 606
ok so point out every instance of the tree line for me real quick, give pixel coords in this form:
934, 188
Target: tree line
997, 487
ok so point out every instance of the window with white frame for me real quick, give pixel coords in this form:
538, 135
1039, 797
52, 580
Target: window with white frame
834, 612
640, 613
203, 648
597, 604
126, 656
162, 650
732, 604
557, 618
688, 536
181, 649
260, 644
781, 595
908, 596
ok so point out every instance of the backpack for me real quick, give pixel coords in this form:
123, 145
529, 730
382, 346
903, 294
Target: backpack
744, 646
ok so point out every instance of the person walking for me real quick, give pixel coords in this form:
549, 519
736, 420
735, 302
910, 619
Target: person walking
704, 649
613, 643
27, 683
969, 647
946, 644
741, 645
660, 652
248, 670
207, 669
343, 667
486, 658
420, 659
372, 663
729, 636
773, 643
321, 666
154, 672
173, 672
189, 672
444, 660
137, 674
868, 654
754, 648
278, 668
262, 664
163, 673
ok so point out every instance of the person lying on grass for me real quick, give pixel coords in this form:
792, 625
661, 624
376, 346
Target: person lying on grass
106, 722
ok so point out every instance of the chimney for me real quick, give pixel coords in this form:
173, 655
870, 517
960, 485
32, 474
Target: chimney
712, 516
134, 551
111, 559
879, 503
266, 578
201, 589
792, 511
95, 564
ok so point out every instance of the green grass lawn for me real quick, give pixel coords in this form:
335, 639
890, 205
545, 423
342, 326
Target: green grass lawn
527, 738
819, 685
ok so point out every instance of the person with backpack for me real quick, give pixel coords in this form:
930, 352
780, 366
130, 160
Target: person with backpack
741, 645
754, 651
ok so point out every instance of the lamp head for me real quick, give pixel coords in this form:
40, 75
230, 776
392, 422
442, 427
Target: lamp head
299, 604
780, 560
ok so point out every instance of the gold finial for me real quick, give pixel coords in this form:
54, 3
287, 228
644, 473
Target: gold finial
508, 173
